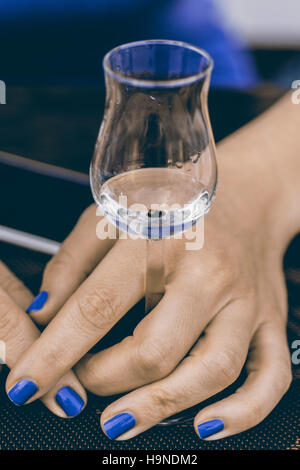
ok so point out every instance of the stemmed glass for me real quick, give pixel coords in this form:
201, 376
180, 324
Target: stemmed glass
154, 170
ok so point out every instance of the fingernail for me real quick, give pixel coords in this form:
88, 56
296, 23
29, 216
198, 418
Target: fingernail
119, 424
69, 401
38, 302
22, 391
210, 427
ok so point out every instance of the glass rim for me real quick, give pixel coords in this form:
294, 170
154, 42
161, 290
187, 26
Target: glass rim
170, 83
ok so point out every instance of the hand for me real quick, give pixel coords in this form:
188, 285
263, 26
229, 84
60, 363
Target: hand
18, 333
232, 290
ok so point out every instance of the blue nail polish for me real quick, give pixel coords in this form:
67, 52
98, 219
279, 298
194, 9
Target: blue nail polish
119, 424
210, 427
69, 401
22, 391
38, 302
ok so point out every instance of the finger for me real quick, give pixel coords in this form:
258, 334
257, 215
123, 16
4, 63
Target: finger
269, 377
157, 345
17, 334
17, 331
76, 258
14, 287
109, 292
213, 364
67, 398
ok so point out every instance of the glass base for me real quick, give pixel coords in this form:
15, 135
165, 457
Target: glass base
185, 417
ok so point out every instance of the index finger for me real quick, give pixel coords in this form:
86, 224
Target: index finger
78, 255
110, 291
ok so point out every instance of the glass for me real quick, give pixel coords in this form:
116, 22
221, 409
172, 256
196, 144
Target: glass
154, 170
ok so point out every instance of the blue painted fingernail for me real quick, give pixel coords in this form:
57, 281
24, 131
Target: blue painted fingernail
210, 427
22, 391
69, 401
38, 302
119, 424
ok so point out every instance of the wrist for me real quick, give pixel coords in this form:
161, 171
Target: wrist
259, 173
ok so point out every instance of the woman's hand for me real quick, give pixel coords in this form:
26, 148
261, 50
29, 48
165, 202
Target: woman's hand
224, 306
18, 333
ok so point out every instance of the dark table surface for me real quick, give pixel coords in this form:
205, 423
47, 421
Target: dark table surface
60, 126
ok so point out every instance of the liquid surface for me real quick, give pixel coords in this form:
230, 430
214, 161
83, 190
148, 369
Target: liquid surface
153, 202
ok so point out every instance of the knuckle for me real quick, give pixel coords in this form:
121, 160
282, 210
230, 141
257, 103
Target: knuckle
224, 274
221, 270
225, 365
59, 262
51, 357
152, 360
10, 283
98, 309
165, 402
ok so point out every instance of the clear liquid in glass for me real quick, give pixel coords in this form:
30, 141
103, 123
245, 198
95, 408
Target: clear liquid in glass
153, 203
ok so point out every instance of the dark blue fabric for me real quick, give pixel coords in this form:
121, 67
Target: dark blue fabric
200, 23
38, 8
61, 40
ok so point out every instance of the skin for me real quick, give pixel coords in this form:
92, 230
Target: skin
19, 332
232, 290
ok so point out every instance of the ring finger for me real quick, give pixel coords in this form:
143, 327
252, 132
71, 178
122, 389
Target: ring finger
213, 364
